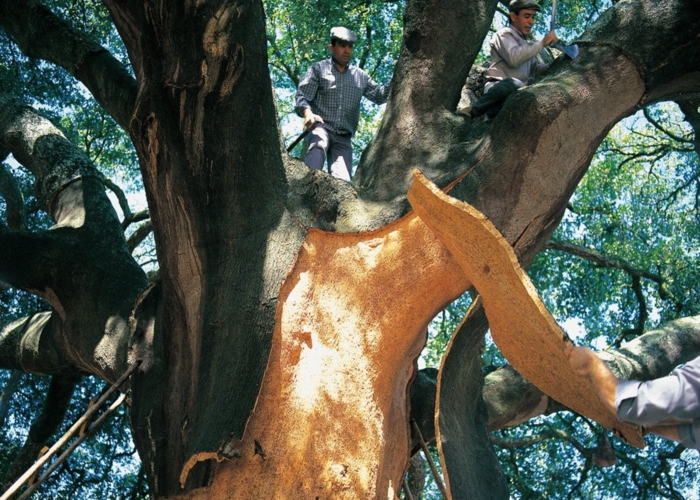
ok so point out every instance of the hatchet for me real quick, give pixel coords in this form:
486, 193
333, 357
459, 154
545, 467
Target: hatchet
569, 50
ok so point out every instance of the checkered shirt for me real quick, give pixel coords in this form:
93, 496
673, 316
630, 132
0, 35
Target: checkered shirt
335, 96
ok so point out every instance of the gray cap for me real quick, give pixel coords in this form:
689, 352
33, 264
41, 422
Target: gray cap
342, 34
518, 5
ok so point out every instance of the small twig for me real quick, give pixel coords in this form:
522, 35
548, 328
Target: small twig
438, 480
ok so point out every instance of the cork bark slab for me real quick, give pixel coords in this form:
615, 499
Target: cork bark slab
521, 326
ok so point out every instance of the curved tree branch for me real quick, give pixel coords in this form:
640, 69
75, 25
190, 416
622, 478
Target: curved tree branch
139, 235
603, 260
121, 198
691, 112
39, 33
92, 290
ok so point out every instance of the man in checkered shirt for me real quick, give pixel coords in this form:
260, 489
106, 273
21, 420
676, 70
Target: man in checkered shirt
328, 98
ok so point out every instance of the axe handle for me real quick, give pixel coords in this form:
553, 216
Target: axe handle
297, 140
554, 15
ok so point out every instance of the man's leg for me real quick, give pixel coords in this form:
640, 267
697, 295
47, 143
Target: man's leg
492, 101
318, 142
340, 156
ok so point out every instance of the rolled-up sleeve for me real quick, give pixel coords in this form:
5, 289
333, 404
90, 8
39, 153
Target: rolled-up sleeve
376, 93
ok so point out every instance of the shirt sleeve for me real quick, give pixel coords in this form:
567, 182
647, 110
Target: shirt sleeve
376, 93
513, 53
306, 92
674, 396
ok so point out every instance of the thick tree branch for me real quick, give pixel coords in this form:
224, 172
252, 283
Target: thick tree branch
29, 345
139, 235
42, 149
649, 356
92, 291
39, 33
28, 261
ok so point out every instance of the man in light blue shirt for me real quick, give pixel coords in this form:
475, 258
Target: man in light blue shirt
328, 98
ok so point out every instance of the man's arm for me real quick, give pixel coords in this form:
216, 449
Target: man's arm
668, 405
516, 53
656, 401
306, 93
376, 93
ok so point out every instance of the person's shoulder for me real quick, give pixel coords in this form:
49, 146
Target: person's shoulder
356, 70
319, 68
323, 63
504, 33
508, 31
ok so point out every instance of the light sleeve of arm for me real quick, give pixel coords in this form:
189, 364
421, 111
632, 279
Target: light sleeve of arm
674, 396
513, 53
306, 92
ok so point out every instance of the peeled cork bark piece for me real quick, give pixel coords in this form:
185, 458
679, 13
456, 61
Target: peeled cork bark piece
521, 326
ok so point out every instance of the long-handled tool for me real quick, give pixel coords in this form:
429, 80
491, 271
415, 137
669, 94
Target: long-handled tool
303, 134
297, 140
569, 50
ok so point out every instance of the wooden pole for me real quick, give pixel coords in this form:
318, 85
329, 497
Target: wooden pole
69, 434
424, 447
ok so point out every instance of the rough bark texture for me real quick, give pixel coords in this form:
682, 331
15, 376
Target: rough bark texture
236, 225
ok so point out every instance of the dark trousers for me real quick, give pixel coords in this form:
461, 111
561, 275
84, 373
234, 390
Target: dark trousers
492, 101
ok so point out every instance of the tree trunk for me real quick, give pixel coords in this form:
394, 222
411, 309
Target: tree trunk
281, 337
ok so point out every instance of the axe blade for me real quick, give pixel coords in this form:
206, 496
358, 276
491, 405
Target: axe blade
569, 50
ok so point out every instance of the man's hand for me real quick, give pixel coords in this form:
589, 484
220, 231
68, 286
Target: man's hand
582, 359
550, 38
585, 362
311, 119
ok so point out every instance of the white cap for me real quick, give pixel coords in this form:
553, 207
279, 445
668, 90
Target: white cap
343, 34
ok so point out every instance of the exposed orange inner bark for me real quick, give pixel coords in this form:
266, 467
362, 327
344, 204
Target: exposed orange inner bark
331, 419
